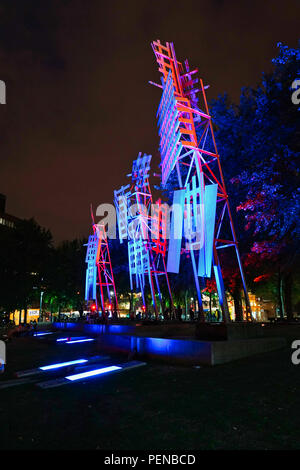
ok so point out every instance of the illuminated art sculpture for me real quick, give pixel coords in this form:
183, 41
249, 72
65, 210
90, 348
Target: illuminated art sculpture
99, 273
144, 225
188, 151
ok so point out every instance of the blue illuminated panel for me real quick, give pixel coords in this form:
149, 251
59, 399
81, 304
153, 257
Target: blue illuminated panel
91, 270
120, 199
206, 252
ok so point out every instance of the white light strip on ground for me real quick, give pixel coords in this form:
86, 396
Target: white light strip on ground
70, 338
92, 373
63, 364
80, 340
42, 334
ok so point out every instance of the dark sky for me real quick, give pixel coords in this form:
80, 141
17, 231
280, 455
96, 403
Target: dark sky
79, 106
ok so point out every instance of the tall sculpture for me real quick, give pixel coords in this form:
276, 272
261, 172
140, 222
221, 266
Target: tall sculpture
144, 225
188, 151
99, 273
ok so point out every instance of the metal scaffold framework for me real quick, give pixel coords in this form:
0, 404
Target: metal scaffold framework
144, 225
188, 151
99, 273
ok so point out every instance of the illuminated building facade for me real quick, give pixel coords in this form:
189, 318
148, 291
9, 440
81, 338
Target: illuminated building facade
6, 220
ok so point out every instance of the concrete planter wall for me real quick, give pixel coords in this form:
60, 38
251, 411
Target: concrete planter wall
179, 351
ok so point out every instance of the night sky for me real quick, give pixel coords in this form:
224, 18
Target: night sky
79, 106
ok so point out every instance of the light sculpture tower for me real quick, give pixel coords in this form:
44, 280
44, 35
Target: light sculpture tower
188, 150
144, 224
99, 273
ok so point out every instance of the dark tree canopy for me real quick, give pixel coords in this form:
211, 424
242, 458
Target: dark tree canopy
259, 144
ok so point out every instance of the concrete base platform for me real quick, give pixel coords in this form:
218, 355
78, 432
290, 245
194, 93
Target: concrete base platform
230, 331
187, 351
227, 351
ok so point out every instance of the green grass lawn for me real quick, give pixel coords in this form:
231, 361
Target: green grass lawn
248, 404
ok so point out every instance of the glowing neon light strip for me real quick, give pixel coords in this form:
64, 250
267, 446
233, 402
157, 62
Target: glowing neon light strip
42, 334
79, 341
63, 364
92, 373
70, 338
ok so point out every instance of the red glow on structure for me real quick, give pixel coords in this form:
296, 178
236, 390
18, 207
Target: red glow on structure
93, 307
263, 277
104, 267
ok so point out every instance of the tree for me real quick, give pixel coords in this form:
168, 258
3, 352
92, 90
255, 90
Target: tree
66, 278
260, 147
24, 257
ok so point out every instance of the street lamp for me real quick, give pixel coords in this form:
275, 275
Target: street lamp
41, 303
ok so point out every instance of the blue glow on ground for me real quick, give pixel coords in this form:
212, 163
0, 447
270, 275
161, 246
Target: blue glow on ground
92, 373
63, 364
79, 340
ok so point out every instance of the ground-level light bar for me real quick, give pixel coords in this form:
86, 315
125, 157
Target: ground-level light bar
72, 364
63, 364
74, 341
87, 375
92, 373
43, 333
63, 340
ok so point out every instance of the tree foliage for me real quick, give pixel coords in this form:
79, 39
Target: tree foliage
259, 142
